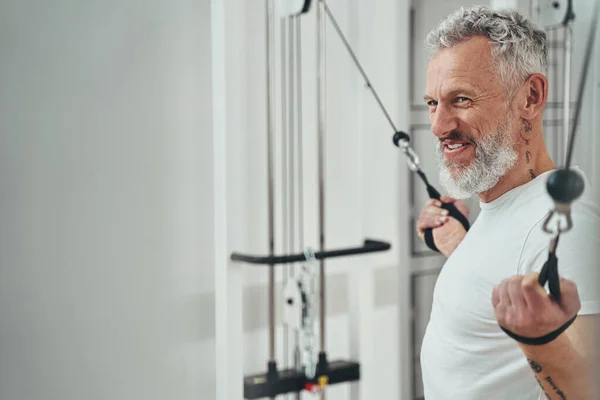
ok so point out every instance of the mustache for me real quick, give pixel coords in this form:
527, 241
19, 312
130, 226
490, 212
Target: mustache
458, 136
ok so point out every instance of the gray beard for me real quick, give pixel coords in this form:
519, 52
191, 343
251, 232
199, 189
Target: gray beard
494, 157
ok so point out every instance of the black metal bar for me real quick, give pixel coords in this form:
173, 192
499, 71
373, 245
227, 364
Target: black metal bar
370, 246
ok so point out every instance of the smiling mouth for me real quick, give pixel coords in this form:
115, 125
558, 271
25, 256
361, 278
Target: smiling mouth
455, 147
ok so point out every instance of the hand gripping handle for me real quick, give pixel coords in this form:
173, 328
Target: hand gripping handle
452, 210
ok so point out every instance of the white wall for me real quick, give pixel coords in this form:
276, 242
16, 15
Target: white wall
105, 161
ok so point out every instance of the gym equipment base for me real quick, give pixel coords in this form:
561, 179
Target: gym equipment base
293, 381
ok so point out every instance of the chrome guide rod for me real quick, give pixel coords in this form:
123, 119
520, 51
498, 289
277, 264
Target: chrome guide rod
271, 228
321, 110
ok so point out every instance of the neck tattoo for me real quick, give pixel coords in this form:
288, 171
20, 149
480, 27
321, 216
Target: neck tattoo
527, 127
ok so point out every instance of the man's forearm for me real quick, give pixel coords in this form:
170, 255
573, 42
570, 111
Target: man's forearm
563, 369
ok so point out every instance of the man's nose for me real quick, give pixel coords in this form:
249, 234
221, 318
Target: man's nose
443, 121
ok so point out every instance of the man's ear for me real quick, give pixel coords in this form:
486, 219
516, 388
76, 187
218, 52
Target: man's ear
535, 92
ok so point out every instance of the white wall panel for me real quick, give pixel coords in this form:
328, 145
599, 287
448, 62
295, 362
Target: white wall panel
106, 230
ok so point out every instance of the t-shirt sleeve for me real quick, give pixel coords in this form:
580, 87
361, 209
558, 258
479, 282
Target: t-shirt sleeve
578, 254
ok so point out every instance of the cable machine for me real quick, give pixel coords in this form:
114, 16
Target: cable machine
303, 267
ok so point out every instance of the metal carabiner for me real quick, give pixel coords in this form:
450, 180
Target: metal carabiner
560, 210
412, 159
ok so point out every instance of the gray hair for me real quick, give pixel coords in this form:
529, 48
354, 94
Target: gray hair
518, 46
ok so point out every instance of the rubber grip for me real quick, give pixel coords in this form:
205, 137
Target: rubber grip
452, 210
549, 273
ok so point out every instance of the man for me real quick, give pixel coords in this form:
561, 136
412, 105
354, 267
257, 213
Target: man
486, 91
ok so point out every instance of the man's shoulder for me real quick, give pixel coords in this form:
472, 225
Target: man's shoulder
578, 247
584, 230
530, 209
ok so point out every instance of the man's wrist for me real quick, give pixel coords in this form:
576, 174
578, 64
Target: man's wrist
540, 340
554, 347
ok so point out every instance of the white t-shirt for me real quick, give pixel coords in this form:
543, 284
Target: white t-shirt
465, 355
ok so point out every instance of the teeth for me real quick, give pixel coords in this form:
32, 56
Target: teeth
455, 146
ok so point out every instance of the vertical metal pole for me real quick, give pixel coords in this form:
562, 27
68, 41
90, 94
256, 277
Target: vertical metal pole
292, 166
567, 87
269, 37
556, 114
292, 135
300, 158
284, 169
412, 194
299, 132
321, 72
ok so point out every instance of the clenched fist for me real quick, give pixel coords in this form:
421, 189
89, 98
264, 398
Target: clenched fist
447, 231
523, 307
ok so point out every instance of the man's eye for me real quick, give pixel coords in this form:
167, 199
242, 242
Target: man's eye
432, 103
462, 99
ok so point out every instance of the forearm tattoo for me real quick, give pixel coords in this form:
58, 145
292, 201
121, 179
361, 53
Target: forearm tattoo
537, 368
